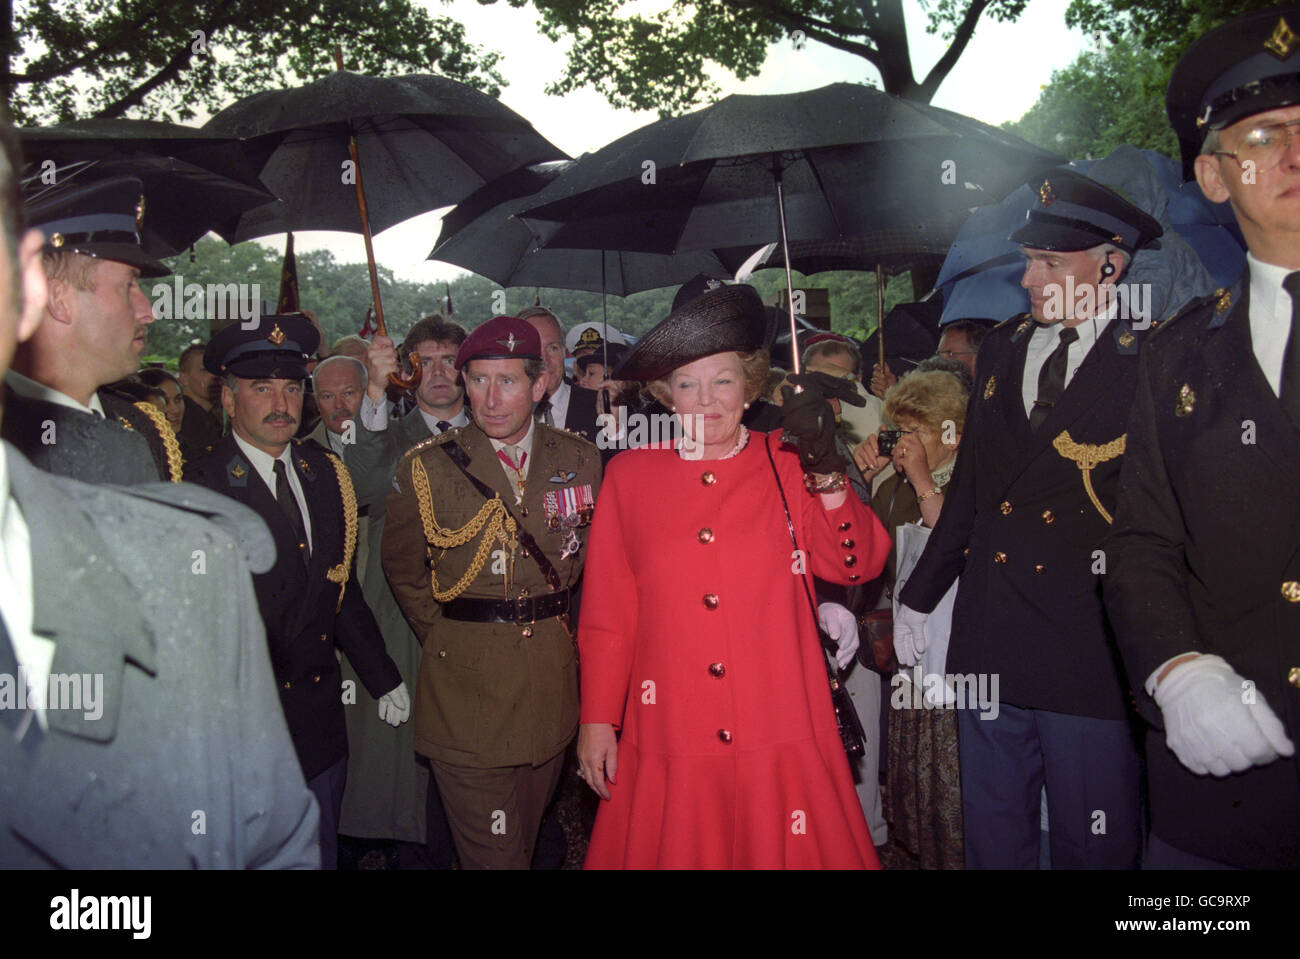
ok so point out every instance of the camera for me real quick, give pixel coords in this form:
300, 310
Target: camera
886, 440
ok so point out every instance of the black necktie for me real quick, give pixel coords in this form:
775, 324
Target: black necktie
289, 506
443, 426
1289, 392
543, 411
1051, 378
19, 723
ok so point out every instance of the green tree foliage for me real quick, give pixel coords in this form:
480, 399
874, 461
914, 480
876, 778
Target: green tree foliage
70, 59
658, 61
1164, 27
1101, 101
339, 293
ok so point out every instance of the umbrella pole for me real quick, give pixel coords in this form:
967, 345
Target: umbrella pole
604, 317
370, 252
796, 363
880, 314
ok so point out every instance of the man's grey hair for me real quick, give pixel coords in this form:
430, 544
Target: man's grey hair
1211, 144
532, 311
340, 358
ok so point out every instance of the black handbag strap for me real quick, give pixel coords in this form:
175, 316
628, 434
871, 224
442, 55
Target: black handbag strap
789, 523
461, 459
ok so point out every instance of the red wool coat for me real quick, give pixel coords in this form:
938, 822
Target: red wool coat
697, 639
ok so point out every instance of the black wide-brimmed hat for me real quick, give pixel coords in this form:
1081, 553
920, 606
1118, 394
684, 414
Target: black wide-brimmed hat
101, 220
1242, 67
728, 318
277, 348
1074, 212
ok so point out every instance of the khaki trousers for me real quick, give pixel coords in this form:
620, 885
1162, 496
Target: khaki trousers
495, 813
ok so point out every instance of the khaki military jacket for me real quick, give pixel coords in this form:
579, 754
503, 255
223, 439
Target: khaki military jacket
490, 694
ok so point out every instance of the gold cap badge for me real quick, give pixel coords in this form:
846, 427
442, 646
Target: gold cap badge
139, 213
1282, 40
276, 336
1045, 193
56, 239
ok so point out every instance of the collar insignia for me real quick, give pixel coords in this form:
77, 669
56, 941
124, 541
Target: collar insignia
276, 336
1282, 41
1186, 401
1045, 193
238, 471
1126, 339
1223, 302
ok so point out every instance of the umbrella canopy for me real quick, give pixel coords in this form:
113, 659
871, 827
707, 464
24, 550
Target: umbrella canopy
482, 234
894, 251
423, 141
851, 161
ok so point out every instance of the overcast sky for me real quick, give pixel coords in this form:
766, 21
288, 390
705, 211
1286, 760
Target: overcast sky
997, 79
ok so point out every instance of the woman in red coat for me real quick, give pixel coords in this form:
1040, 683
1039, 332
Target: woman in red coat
697, 637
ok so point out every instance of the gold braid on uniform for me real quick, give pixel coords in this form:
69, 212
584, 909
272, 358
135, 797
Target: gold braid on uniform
168, 436
1086, 456
492, 521
339, 574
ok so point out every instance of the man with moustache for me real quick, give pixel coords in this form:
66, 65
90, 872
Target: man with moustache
310, 600
61, 416
566, 405
483, 545
1024, 516
185, 730
1204, 586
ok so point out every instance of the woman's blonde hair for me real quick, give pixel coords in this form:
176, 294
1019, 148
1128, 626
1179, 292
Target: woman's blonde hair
753, 366
932, 398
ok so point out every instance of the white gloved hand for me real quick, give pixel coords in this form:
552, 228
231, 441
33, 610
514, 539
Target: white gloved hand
841, 626
395, 706
909, 635
1211, 725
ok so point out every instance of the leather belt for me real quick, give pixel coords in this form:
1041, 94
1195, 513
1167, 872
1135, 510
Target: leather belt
527, 610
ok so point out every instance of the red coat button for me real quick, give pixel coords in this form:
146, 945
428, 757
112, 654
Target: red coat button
717, 670
844, 526
705, 535
711, 600
709, 478
725, 735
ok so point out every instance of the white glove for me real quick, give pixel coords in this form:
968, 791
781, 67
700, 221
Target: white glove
841, 626
1210, 726
909, 635
395, 706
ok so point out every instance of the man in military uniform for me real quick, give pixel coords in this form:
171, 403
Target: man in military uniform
483, 543
182, 761
61, 416
1204, 587
1028, 505
309, 600
201, 425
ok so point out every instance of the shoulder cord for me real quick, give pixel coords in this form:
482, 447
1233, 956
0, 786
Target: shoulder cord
339, 574
172, 449
1086, 456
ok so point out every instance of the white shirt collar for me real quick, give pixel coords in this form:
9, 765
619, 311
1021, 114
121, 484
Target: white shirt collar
560, 403
33, 390
263, 461
431, 421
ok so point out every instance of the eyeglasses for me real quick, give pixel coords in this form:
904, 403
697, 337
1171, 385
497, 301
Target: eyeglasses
1264, 146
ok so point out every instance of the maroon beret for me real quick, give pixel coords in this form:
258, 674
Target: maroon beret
501, 338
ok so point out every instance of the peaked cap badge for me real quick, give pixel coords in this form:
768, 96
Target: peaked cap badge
1282, 41
139, 213
276, 336
1046, 194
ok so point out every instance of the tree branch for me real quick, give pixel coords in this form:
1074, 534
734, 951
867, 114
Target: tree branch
92, 52
961, 37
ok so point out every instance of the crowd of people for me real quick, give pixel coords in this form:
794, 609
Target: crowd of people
990, 612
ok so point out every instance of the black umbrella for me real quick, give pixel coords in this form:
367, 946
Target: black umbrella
424, 142
837, 162
483, 235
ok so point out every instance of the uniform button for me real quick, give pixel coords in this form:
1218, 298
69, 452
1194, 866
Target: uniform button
323, 639
854, 577
725, 735
709, 478
1005, 507
850, 560
528, 632
287, 685
711, 600
302, 545
1040, 568
1049, 517
316, 678
705, 535
1293, 677
717, 670
847, 543
1291, 591
442, 654
844, 526
999, 557
966, 551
